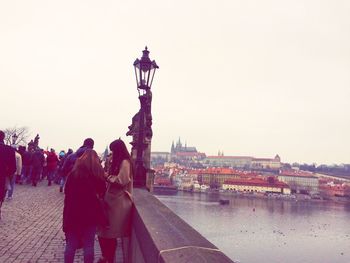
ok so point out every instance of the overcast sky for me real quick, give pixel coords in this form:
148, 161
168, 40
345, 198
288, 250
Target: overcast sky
246, 77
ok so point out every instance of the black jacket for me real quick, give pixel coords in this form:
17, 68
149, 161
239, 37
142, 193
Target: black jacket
26, 158
80, 202
38, 159
70, 160
7, 166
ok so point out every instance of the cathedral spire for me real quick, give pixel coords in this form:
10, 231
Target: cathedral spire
172, 147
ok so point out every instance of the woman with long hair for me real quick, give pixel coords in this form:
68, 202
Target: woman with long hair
85, 183
119, 199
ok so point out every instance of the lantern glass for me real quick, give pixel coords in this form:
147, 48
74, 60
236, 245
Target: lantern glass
144, 71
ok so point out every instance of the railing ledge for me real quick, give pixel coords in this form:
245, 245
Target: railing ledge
159, 235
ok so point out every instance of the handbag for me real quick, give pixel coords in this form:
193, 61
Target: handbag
102, 212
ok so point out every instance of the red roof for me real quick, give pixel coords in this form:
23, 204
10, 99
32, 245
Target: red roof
193, 171
162, 181
219, 170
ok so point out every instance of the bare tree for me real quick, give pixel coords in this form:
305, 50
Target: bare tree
16, 135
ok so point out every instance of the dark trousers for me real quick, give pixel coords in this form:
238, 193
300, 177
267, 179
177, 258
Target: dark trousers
108, 248
51, 175
26, 173
35, 175
87, 236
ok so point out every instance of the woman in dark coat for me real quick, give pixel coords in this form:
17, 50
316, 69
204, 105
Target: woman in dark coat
119, 200
84, 184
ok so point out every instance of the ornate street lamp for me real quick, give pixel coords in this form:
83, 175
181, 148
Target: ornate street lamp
144, 73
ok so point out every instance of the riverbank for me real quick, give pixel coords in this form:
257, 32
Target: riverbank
289, 230
293, 197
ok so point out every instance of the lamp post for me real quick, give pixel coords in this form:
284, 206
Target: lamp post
144, 73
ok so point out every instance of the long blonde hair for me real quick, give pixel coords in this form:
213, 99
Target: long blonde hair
88, 165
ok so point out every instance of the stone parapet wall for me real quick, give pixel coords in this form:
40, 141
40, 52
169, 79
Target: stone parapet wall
159, 235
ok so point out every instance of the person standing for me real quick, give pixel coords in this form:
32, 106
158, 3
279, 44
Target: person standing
21, 150
15, 175
44, 172
119, 199
26, 166
38, 160
84, 185
70, 160
62, 175
52, 161
7, 166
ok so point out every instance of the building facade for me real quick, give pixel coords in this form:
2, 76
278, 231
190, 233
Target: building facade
159, 158
228, 161
244, 162
215, 177
256, 186
267, 163
300, 183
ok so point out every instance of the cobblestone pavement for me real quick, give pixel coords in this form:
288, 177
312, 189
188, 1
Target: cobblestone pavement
31, 226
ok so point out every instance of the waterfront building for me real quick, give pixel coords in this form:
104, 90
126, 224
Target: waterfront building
186, 182
331, 188
164, 181
256, 185
300, 181
215, 177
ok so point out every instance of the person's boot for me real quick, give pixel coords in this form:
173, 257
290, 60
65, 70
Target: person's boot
61, 189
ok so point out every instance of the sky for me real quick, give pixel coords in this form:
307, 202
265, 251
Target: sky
246, 77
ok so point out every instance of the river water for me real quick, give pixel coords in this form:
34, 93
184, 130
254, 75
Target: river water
253, 230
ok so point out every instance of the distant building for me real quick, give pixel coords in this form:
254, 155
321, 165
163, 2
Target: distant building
183, 154
187, 182
161, 155
215, 177
188, 156
267, 163
228, 161
330, 189
243, 162
159, 158
257, 185
180, 148
300, 182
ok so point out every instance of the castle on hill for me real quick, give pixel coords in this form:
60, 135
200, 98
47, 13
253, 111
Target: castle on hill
189, 156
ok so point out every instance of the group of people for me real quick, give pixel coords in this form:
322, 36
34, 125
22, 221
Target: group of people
98, 199
88, 183
38, 164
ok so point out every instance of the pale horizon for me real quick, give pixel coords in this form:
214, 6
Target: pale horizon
249, 78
